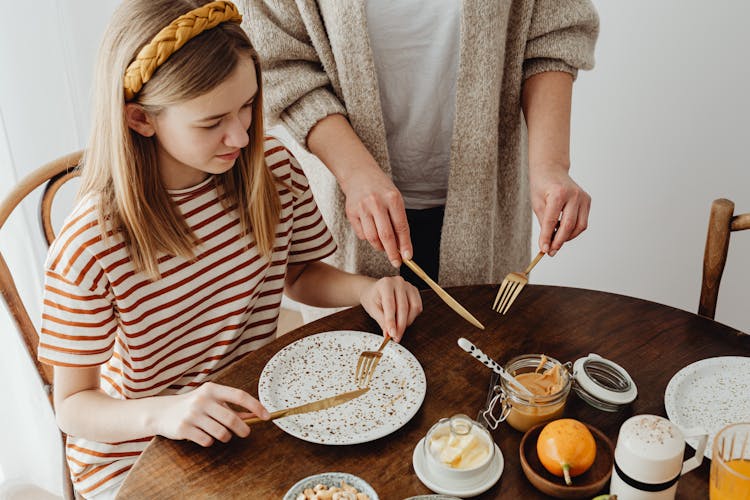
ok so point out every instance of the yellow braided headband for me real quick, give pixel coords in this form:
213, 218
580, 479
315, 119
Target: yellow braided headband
170, 39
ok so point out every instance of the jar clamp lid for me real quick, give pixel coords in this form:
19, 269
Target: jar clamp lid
603, 383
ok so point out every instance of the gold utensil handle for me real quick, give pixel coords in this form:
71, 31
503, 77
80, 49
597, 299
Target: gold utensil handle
322, 404
274, 416
450, 301
534, 262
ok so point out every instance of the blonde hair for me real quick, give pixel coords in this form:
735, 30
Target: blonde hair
120, 166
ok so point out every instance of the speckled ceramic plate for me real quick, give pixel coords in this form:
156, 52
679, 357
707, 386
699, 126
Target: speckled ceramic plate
323, 365
331, 479
711, 394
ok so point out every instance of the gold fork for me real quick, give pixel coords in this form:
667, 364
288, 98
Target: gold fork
512, 286
367, 363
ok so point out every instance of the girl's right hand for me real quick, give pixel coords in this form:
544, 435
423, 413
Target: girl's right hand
203, 415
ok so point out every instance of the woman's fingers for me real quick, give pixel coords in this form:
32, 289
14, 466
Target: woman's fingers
401, 227
548, 221
582, 223
377, 214
370, 231
387, 236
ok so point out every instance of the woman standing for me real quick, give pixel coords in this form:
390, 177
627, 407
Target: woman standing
420, 111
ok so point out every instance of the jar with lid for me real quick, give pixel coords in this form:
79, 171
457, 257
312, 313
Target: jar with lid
600, 382
523, 411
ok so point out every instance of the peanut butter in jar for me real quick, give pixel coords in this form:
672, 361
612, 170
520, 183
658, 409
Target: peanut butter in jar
549, 384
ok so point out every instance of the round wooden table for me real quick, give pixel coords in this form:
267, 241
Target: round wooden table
651, 341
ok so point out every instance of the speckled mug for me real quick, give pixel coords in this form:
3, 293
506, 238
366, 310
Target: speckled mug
648, 458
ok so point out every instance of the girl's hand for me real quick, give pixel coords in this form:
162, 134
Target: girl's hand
202, 415
554, 195
393, 303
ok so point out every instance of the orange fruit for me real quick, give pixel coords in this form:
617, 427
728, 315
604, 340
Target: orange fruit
566, 448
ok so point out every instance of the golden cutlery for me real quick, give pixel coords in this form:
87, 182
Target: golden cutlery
512, 286
367, 362
452, 303
323, 404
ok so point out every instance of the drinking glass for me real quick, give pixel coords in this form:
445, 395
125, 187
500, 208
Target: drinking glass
730, 464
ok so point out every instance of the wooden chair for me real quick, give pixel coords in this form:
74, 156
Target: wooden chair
53, 175
721, 224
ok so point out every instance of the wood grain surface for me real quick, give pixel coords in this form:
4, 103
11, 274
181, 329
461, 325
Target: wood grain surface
649, 340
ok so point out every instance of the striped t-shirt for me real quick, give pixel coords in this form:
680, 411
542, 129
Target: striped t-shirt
169, 336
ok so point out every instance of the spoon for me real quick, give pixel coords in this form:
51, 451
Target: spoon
467, 346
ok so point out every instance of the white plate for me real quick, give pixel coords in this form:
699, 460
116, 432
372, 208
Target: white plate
331, 479
323, 365
711, 394
440, 485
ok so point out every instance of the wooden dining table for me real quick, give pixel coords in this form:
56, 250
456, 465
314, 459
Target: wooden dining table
651, 341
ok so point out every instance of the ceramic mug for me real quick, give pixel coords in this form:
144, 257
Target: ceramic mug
648, 458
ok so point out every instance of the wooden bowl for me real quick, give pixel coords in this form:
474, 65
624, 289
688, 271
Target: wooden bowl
586, 485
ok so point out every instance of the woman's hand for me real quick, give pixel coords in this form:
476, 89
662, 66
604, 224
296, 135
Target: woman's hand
554, 195
374, 206
375, 209
393, 303
203, 415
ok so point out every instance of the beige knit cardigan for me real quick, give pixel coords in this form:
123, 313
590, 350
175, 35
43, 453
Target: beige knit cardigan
316, 60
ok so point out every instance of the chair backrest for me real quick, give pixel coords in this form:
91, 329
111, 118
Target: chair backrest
53, 175
722, 222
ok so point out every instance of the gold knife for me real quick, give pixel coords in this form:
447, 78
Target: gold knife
452, 303
323, 404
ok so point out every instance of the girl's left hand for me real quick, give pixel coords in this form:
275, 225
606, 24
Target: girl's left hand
393, 303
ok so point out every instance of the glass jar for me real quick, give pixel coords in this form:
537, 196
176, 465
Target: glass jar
523, 411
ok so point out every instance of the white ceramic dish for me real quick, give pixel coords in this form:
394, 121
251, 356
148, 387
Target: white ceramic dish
331, 479
440, 485
323, 365
711, 394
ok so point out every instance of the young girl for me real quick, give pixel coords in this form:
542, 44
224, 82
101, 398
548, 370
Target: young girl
190, 226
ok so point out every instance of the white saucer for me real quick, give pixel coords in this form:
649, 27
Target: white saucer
439, 485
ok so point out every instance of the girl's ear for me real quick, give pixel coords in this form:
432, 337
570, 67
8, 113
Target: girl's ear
139, 120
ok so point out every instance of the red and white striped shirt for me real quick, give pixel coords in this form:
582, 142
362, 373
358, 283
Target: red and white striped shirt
169, 336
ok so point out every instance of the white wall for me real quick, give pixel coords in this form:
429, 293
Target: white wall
659, 130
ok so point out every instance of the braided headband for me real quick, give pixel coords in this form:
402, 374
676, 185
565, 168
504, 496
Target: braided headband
171, 38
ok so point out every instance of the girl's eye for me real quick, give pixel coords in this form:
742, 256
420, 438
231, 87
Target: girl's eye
208, 127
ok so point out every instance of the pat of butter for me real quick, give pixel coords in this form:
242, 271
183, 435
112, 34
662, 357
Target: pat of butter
459, 452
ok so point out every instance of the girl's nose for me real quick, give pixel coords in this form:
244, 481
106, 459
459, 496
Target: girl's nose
236, 135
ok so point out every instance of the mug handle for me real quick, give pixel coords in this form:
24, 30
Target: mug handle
697, 459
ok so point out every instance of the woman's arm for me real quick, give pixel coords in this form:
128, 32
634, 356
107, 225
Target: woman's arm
374, 206
546, 104
300, 90
82, 409
392, 302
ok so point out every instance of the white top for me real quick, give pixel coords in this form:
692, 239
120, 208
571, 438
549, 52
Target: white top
415, 45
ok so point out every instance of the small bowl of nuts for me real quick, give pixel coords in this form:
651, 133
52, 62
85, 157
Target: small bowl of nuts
331, 486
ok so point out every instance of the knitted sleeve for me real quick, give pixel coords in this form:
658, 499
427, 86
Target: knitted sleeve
562, 36
295, 57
